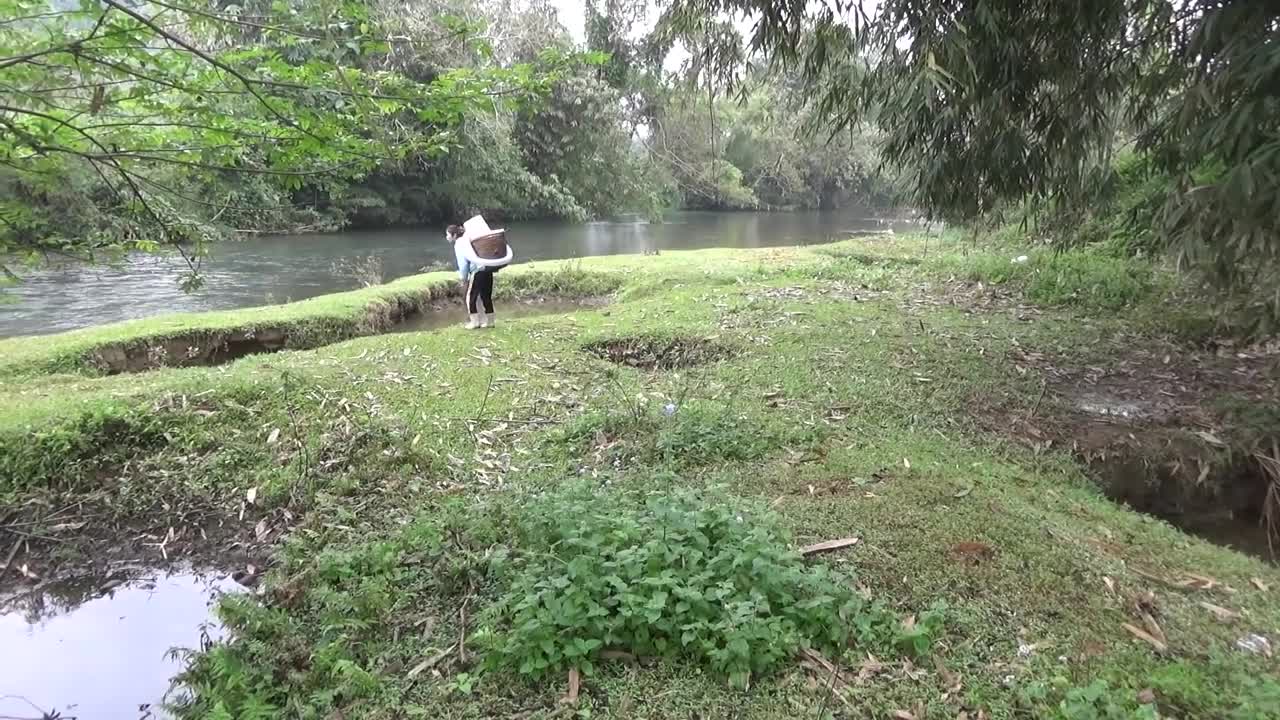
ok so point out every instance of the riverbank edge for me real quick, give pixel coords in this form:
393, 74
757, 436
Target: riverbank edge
305, 324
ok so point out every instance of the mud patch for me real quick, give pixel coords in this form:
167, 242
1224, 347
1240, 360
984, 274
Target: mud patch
1214, 493
1186, 435
659, 353
102, 647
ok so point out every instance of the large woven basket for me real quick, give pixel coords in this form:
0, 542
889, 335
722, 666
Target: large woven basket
492, 246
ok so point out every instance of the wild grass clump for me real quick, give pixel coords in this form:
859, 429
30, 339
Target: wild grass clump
1091, 280
672, 575
676, 435
567, 280
323, 636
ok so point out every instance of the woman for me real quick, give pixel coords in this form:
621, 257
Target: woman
476, 276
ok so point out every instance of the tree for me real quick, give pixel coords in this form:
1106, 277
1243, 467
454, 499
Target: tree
987, 104
142, 104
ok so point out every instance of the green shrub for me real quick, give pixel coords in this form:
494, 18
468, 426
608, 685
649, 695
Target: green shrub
678, 575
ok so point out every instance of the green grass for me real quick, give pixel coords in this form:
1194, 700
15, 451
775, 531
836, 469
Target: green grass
421, 469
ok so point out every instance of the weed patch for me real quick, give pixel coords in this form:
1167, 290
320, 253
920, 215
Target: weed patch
1092, 280
691, 435
669, 576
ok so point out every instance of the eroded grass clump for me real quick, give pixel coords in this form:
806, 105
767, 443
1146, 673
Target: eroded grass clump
650, 352
676, 436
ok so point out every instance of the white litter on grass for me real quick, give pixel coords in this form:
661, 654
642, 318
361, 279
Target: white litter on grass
1255, 643
1019, 260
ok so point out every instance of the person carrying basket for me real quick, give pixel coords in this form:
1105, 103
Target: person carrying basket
480, 252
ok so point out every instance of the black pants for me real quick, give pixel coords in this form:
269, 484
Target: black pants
480, 288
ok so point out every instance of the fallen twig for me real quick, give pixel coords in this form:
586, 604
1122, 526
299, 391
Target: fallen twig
430, 662
462, 632
1043, 387
531, 421
828, 545
13, 552
33, 536
1147, 637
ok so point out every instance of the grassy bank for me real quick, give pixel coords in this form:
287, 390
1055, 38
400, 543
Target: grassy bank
458, 523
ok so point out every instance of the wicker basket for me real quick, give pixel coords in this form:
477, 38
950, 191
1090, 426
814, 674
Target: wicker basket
492, 246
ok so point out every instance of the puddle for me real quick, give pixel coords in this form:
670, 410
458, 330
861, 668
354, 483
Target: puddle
108, 656
443, 315
1112, 407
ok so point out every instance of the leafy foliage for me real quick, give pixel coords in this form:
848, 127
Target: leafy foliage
683, 574
154, 100
987, 105
573, 134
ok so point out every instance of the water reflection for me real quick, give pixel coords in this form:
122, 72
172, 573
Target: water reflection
279, 269
101, 648
450, 314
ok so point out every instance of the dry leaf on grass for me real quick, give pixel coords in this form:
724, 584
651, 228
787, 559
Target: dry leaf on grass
1210, 438
1259, 584
869, 668
1153, 628
949, 679
828, 545
1220, 612
274, 436
430, 662
1159, 646
575, 686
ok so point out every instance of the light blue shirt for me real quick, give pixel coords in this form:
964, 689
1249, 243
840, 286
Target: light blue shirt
465, 267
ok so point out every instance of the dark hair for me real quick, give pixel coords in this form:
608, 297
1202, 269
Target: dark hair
454, 231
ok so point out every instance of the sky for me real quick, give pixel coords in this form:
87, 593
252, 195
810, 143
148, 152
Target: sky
572, 16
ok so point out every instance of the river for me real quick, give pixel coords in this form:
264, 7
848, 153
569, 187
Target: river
268, 269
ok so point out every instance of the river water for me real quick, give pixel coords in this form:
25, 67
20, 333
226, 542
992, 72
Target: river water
267, 270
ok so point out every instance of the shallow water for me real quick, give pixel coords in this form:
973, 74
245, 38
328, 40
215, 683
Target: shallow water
446, 315
268, 269
105, 657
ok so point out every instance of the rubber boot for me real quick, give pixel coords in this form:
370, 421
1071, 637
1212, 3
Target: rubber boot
487, 321
473, 321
